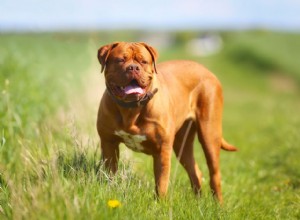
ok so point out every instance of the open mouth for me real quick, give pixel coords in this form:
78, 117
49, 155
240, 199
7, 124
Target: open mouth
133, 88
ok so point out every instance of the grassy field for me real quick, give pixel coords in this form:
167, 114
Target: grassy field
50, 87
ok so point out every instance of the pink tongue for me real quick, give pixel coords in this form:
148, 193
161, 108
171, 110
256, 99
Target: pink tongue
130, 89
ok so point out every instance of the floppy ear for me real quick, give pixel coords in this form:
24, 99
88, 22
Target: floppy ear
103, 54
153, 53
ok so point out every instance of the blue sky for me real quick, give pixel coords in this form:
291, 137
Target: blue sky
36, 15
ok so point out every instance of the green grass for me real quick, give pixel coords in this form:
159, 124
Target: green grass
49, 166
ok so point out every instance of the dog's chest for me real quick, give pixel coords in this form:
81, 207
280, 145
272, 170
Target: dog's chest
133, 141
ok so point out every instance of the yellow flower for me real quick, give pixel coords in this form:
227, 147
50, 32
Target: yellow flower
113, 203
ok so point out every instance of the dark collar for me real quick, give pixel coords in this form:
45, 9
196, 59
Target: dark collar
142, 102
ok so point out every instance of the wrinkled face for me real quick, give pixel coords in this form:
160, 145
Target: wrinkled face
129, 69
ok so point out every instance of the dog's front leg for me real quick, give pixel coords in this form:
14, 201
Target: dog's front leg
162, 167
110, 156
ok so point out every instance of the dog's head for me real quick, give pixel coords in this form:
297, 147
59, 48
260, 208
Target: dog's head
129, 69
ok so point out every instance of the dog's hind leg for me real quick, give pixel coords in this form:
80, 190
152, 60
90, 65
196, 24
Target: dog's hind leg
209, 127
184, 150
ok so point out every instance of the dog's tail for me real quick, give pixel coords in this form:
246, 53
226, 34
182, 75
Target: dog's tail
227, 147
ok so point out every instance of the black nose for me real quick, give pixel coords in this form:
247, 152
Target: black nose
133, 67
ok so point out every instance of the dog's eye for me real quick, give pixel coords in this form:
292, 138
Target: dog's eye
120, 60
144, 62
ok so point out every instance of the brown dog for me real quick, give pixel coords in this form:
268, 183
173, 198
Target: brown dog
154, 109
